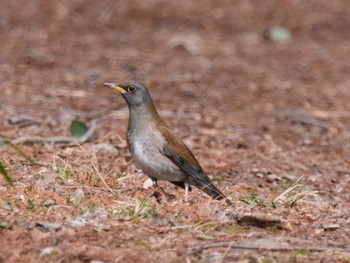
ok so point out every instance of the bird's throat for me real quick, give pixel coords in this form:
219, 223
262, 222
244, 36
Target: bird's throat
144, 112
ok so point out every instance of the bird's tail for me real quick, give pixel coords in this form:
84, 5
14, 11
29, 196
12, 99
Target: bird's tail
215, 193
210, 189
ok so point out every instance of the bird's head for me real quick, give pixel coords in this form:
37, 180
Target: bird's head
134, 92
136, 96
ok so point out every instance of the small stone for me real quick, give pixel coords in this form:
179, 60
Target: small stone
148, 183
255, 170
272, 178
259, 175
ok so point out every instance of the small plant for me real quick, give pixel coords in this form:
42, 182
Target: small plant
91, 209
145, 209
267, 259
146, 246
221, 180
64, 172
31, 204
178, 216
253, 199
234, 228
3, 224
296, 253
141, 209
295, 193
4, 172
118, 175
249, 257
8, 142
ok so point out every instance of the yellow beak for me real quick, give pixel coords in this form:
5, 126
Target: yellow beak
114, 86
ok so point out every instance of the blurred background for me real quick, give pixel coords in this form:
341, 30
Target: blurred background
225, 50
259, 90
240, 67
236, 66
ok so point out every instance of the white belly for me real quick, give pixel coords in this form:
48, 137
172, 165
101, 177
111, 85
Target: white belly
158, 166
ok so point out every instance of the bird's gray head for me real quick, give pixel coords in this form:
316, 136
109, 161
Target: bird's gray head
134, 93
137, 97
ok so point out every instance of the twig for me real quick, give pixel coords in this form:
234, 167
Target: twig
93, 159
58, 139
226, 251
302, 118
290, 189
258, 245
330, 114
94, 115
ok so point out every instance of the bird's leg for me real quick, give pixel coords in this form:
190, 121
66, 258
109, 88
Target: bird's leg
157, 194
186, 192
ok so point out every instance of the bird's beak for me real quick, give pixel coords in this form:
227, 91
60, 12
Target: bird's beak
114, 86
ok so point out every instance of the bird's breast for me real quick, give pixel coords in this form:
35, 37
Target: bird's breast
146, 147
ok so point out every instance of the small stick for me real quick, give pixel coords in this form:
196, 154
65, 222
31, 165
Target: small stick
254, 246
57, 139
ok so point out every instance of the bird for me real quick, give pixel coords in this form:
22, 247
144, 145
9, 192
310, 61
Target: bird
155, 149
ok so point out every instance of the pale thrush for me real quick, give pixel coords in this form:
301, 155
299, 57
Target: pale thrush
155, 149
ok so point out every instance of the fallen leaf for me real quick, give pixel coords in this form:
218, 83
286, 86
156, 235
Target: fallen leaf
77, 129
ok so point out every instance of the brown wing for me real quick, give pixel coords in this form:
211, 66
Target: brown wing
180, 155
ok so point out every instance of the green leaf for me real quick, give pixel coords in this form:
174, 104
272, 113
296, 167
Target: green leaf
77, 129
3, 224
3, 171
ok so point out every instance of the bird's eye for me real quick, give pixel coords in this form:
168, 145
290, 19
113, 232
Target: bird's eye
131, 89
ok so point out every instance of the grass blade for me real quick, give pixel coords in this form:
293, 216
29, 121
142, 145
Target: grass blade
15, 147
4, 172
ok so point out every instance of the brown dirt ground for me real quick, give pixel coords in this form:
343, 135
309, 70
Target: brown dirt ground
258, 115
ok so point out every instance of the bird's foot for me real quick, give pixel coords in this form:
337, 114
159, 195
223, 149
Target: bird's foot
158, 195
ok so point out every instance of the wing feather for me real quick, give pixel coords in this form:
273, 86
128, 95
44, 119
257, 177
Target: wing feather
183, 158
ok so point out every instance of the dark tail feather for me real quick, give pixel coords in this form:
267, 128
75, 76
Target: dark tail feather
215, 193
212, 191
